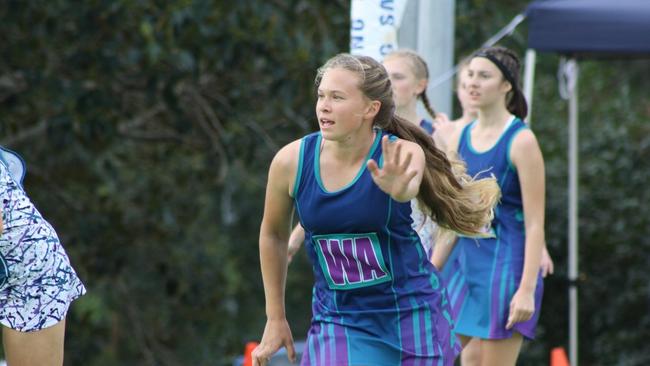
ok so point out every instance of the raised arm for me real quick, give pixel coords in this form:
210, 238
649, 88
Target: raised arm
527, 158
274, 233
447, 134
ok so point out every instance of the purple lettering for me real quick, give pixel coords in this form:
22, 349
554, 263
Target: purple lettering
340, 263
368, 259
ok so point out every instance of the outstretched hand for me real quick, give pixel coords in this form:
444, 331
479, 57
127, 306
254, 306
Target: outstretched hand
393, 177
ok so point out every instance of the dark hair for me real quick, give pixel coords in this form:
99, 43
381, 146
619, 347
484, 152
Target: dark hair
509, 65
453, 199
420, 70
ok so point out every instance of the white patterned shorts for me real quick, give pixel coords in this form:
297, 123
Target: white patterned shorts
40, 283
424, 226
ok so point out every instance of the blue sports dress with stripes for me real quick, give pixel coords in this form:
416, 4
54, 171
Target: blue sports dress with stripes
377, 300
483, 274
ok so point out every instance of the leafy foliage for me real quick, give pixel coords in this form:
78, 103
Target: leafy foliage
148, 128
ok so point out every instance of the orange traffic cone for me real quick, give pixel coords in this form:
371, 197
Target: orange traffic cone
558, 357
248, 350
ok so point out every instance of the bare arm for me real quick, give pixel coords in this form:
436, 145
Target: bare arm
527, 159
295, 241
442, 249
447, 134
547, 264
274, 233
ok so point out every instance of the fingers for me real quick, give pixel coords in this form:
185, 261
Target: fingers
518, 315
544, 270
386, 150
407, 162
441, 117
393, 155
397, 153
410, 175
511, 321
372, 166
291, 352
259, 357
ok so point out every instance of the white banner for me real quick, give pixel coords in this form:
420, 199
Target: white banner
374, 25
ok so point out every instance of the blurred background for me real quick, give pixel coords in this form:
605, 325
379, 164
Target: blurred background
148, 127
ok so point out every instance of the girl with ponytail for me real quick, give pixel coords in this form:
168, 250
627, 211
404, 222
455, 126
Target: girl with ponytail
496, 287
377, 299
409, 77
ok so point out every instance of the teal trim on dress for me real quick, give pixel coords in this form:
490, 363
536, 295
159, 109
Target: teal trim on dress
492, 279
361, 169
441, 361
469, 138
428, 326
510, 165
296, 183
416, 325
503, 284
390, 262
421, 254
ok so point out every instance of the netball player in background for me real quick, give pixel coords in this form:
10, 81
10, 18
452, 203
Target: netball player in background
501, 274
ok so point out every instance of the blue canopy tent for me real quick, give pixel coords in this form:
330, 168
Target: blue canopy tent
581, 29
596, 27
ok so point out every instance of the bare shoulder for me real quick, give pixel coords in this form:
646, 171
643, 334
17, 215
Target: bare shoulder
454, 134
284, 166
525, 140
525, 147
288, 155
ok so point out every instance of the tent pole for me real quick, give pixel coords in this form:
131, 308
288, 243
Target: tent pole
573, 219
529, 80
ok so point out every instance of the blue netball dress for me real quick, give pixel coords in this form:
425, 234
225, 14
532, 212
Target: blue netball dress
486, 272
377, 300
37, 282
427, 126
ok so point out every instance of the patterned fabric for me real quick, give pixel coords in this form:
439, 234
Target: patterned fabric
485, 273
40, 283
424, 226
377, 299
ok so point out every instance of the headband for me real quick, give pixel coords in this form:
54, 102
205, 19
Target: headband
504, 70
